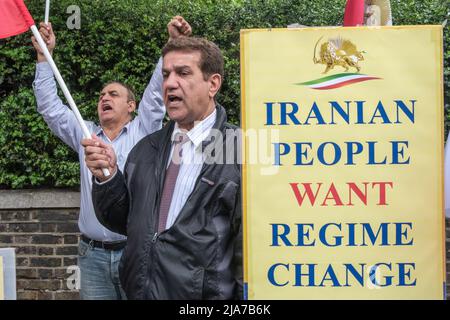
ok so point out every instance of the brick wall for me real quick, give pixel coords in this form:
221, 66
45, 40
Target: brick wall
42, 226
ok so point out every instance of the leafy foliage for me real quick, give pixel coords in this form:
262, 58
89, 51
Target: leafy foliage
122, 40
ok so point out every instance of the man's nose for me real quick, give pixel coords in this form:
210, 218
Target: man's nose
103, 98
171, 81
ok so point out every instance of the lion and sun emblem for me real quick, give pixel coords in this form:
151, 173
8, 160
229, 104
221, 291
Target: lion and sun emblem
338, 52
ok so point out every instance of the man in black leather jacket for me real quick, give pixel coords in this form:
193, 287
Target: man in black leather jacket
197, 252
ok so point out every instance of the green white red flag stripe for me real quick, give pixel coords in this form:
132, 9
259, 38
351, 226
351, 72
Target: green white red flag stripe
337, 81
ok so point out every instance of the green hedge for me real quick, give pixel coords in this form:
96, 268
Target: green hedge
121, 40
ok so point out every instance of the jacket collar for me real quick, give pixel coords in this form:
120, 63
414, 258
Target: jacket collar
221, 118
199, 132
162, 141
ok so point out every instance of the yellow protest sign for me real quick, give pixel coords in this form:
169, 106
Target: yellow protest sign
343, 172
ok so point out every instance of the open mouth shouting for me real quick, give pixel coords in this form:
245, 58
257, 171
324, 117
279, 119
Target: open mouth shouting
106, 107
173, 100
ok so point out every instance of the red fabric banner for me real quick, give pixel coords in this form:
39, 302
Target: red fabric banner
14, 18
354, 13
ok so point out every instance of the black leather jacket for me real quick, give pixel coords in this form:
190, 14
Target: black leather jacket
200, 255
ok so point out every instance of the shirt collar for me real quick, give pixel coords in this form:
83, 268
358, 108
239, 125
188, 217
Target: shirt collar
199, 132
99, 130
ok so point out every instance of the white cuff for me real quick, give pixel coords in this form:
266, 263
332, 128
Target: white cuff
109, 179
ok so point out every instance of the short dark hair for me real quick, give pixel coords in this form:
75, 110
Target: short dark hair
211, 58
130, 92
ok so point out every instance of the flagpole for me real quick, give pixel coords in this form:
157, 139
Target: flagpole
63, 86
47, 11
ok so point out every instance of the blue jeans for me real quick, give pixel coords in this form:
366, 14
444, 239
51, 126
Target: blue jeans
99, 273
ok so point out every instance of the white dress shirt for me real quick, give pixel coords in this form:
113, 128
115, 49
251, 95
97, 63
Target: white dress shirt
191, 164
62, 122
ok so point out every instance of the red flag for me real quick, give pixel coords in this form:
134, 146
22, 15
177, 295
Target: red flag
354, 13
14, 18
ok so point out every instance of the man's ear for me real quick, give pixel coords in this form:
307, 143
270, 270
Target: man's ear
131, 106
215, 82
